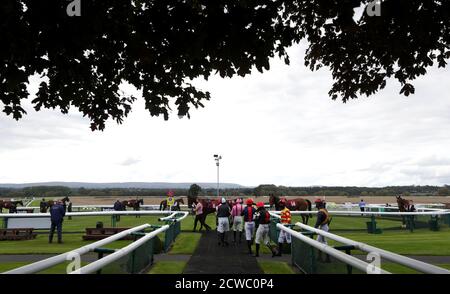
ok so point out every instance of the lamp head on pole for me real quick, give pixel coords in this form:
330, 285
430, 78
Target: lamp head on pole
217, 158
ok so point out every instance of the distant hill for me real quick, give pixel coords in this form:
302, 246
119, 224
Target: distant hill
125, 185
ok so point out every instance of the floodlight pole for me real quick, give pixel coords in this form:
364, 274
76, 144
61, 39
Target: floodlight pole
217, 158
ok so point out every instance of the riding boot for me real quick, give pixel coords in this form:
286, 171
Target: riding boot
240, 237
257, 251
222, 237
234, 237
280, 248
249, 245
225, 239
219, 238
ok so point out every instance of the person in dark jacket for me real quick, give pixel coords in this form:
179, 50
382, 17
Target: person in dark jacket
118, 207
57, 214
223, 222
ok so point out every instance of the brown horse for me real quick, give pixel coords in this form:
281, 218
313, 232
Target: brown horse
403, 206
10, 205
297, 204
214, 202
134, 203
50, 203
176, 207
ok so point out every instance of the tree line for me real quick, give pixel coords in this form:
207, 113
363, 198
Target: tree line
261, 190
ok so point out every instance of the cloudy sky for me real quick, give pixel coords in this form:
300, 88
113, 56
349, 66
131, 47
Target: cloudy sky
279, 127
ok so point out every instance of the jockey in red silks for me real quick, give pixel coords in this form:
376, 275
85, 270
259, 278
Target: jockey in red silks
285, 218
262, 220
249, 213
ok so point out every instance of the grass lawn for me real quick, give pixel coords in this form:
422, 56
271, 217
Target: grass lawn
80, 223
168, 267
353, 222
186, 243
420, 242
36, 202
57, 269
275, 267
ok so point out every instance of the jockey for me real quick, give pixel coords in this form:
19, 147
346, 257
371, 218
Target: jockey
223, 223
262, 220
236, 212
248, 214
285, 219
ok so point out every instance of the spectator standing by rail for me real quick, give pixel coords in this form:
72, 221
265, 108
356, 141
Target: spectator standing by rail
362, 205
118, 207
57, 214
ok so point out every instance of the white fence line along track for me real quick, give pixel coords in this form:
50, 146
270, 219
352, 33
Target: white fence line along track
52, 261
369, 213
97, 265
91, 213
397, 258
348, 259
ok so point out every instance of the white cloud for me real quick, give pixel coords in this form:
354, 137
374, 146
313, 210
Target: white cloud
278, 127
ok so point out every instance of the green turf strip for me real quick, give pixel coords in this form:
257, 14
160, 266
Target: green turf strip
57, 269
186, 243
168, 267
275, 267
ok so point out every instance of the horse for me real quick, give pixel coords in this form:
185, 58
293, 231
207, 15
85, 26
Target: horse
134, 203
10, 205
176, 207
191, 201
50, 203
298, 204
403, 206
209, 207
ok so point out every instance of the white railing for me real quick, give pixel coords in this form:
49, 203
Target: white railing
397, 258
347, 259
172, 216
52, 261
403, 260
91, 213
94, 266
100, 206
340, 212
